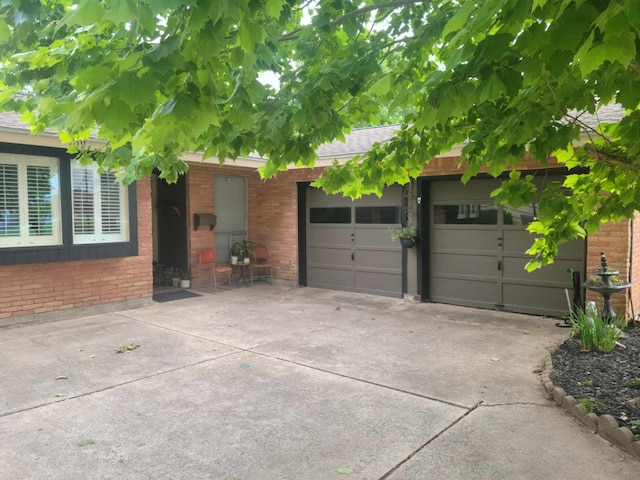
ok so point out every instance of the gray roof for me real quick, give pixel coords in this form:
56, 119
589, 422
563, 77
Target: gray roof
360, 140
606, 114
11, 121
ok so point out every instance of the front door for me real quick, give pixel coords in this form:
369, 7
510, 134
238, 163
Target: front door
230, 197
170, 223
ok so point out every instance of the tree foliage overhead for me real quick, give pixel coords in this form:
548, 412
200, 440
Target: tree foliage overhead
507, 78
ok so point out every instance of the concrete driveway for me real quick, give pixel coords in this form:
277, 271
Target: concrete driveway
278, 383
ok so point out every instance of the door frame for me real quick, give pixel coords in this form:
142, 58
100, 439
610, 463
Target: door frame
233, 235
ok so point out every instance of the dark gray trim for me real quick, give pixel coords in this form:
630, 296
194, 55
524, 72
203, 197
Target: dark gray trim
68, 251
423, 238
302, 232
404, 282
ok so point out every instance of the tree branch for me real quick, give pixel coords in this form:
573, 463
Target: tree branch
603, 157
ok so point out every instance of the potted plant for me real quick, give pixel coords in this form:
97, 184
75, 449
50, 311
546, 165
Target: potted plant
185, 282
241, 250
172, 276
406, 234
235, 251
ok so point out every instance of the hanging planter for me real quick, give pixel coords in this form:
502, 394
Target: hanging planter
407, 242
406, 235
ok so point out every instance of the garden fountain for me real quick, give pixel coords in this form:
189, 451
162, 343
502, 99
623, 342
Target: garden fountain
607, 286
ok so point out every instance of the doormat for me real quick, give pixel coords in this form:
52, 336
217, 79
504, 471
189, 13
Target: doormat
176, 295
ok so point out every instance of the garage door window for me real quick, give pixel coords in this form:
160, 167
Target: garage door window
384, 215
520, 216
465, 214
330, 215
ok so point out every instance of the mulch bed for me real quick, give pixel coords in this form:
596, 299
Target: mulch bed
609, 381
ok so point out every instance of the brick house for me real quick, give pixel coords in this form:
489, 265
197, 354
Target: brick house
79, 245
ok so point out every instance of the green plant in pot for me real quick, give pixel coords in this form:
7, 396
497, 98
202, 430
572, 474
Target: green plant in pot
185, 281
406, 235
241, 250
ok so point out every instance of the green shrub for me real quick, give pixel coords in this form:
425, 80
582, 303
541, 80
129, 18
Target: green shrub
595, 333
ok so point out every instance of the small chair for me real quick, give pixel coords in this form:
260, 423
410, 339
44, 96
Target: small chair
260, 267
207, 257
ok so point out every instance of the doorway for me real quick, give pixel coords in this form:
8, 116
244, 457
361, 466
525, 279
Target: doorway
230, 201
169, 223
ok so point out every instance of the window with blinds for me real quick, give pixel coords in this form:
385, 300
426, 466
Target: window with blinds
100, 212
29, 201
9, 201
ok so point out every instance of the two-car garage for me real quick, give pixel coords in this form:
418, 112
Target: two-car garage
475, 249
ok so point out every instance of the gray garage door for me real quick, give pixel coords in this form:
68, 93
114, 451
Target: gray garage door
349, 246
477, 254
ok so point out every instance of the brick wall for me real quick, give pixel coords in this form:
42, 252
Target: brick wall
635, 266
48, 287
614, 240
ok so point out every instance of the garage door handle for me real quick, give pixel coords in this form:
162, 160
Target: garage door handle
353, 257
499, 265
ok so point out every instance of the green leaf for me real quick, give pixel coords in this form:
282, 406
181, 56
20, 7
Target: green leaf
121, 11
5, 31
86, 13
381, 86
273, 8
250, 35
538, 4
620, 48
459, 18
345, 470
491, 89
85, 442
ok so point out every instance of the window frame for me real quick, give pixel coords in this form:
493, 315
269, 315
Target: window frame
67, 250
25, 239
97, 203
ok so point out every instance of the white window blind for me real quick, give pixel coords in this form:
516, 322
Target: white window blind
29, 201
100, 206
9, 201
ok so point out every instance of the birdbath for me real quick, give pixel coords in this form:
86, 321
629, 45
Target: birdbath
607, 288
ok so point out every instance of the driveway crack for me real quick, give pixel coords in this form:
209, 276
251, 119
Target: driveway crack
431, 440
361, 380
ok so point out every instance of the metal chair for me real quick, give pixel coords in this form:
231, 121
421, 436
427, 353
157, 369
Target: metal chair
207, 257
260, 267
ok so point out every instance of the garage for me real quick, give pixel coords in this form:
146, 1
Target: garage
349, 245
477, 253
